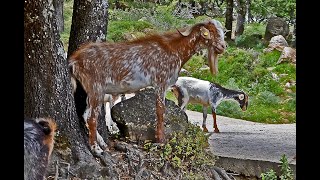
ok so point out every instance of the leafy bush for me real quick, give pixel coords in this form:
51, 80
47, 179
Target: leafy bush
118, 28
268, 98
286, 172
186, 151
250, 41
270, 175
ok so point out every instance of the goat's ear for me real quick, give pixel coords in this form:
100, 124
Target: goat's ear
186, 31
241, 97
205, 32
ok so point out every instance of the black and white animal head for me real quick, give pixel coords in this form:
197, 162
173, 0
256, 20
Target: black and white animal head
243, 99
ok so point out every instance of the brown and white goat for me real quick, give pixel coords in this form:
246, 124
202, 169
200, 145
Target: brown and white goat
197, 91
155, 60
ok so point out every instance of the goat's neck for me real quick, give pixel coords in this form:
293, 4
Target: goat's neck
224, 92
186, 47
230, 94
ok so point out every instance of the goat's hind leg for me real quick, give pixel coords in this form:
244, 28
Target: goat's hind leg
215, 126
204, 121
96, 142
99, 137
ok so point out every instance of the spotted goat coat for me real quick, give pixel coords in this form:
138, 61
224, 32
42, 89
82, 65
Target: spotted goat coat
197, 91
125, 67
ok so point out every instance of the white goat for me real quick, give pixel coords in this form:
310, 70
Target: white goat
109, 102
196, 91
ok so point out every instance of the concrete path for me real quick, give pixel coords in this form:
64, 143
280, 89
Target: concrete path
248, 144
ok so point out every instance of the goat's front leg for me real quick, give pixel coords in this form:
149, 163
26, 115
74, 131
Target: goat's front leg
160, 110
204, 121
215, 127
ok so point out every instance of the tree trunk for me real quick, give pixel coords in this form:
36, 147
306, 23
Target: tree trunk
89, 23
241, 17
47, 89
58, 6
241, 11
229, 18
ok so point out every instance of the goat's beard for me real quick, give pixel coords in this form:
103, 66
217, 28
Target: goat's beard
213, 60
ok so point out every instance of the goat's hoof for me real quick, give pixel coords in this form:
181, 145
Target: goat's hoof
96, 150
205, 129
161, 139
216, 131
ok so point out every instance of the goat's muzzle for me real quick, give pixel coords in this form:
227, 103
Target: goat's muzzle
244, 106
219, 49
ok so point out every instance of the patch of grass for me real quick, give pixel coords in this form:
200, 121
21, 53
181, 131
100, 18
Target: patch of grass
67, 15
116, 29
252, 36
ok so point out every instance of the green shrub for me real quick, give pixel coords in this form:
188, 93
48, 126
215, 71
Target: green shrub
270, 175
250, 41
268, 98
252, 36
186, 151
285, 170
118, 28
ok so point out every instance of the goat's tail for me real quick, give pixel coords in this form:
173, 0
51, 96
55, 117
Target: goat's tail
73, 78
178, 93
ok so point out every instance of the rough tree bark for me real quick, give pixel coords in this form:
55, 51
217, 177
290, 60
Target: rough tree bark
58, 6
47, 90
89, 23
229, 18
241, 17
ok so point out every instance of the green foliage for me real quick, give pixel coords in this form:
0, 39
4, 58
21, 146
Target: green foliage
186, 151
270, 175
118, 28
251, 41
286, 172
252, 37
67, 15
268, 98
281, 8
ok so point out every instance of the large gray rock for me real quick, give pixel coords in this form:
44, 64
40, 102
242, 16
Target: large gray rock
276, 26
136, 117
276, 42
288, 55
